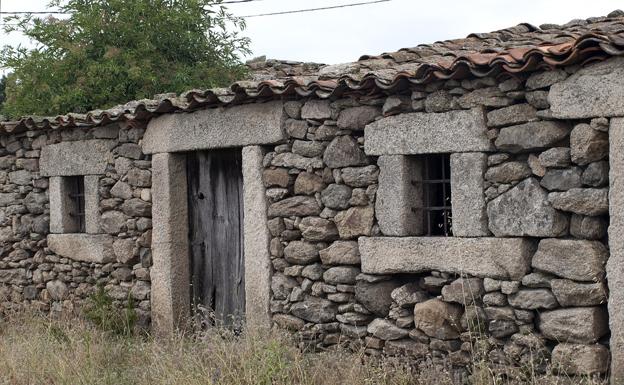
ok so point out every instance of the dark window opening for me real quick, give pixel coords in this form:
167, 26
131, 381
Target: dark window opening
76, 195
436, 185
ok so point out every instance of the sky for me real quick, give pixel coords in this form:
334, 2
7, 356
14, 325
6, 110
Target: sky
343, 35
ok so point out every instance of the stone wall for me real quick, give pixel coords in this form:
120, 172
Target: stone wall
545, 180
527, 275
59, 276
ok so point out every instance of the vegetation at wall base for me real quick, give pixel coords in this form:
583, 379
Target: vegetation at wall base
101, 311
108, 52
42, 350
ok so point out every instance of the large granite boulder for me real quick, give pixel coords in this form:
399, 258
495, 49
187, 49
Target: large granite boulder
524, 211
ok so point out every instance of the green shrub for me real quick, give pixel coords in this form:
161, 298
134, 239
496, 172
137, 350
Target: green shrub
102, 312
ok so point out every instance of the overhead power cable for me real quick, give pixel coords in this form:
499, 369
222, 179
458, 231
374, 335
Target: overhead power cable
316, 9
223, 2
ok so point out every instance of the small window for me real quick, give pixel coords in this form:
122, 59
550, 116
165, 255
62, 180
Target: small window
436, 185
76, 203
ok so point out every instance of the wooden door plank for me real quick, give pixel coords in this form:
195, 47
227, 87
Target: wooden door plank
215, 200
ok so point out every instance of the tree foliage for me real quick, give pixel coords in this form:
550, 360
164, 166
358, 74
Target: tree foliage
2, 88
111, 51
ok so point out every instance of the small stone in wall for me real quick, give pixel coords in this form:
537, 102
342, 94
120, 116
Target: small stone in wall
395, 104
308, 148
360, 176
129, 150
406, 347
136, 208
585, 227
438, 319
336, 196
375, 297
490, 284
562, 179
538, 99
408, 295
386, 330
295, 206
573, 259
341, 275
490, 97
275, 194
536, 167
316, 109
344, 151
533, 299
440, 101
313, 272
139, 178
288, 322
570, 293
341, 253
581, 360
277, 177
308, 183
509, 287
502, 328
318, 229
555, 157
537, 280
113, 222
531, 136
296, 128
588, 145
121, 190
600, 124
301, 253
466, 291
515, 114
314, 309
355, 222
122, 274
281, 286
21, 177
57, 290
585, 201
293, 109
584, 325
355, 118
290, 160
124, 250
545, 79
508, 172
495, 299
596, 174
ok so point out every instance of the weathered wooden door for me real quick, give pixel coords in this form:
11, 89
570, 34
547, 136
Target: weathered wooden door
215, 188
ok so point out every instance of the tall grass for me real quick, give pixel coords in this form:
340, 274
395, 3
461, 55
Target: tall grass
37, 350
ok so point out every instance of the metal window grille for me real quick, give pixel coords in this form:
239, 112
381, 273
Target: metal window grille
77, 198
436, 185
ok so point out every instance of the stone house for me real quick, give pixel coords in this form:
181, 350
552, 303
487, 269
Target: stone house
404, 201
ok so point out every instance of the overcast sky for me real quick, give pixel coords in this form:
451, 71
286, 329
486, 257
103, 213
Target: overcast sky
341, 35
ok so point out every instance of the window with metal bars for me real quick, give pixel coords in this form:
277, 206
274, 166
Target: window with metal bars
76, 199
436, 185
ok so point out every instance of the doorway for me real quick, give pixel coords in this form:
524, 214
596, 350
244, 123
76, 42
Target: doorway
215, 213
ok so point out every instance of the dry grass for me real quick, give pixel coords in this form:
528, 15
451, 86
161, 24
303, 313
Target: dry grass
35, 350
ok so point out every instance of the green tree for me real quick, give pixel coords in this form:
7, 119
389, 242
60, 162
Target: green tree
108, 52
2, 88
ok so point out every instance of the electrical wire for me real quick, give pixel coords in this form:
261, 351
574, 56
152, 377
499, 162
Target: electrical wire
315, 9
223, 2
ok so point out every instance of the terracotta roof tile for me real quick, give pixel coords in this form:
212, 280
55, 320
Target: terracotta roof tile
521, 48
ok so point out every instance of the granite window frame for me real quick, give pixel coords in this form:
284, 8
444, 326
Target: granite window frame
63, 206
